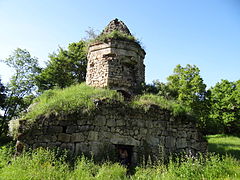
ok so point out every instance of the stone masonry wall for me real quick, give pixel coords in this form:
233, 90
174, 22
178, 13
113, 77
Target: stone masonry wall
153, 132
116, 64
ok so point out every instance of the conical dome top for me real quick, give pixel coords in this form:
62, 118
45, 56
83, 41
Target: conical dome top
116, 25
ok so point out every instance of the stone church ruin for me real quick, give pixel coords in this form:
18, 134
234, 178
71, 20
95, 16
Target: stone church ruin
114, 130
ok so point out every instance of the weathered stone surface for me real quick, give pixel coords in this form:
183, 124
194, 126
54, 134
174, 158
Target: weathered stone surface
71, 129
100, 120
124, 140
170, 142
181, 143
116, 25
111, 122
131, 128
47, 138
81, 148
77, 137
117, 65
93, 136
54, 129
62, 137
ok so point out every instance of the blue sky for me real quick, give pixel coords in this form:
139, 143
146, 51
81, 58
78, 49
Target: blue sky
204, 32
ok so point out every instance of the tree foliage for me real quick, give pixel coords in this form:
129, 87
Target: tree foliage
225, 110
187, 87
2, 95
21, 88
65, 67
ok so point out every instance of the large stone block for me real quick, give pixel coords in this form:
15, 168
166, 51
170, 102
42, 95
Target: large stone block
170, 142
54, 129
181, 143
93, 136
81, 148
47, 138
124, 140
62, 137
71, 129
77, 137
100, 120
111, 122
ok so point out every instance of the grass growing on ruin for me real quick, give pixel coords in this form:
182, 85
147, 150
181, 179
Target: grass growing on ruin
80, 98
70, 100
149, 99
46, 164
115, 35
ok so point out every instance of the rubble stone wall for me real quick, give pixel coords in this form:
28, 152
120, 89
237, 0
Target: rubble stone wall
153, 132
117, 64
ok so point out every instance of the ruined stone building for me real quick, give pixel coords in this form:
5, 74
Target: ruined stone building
115, 130
115, 63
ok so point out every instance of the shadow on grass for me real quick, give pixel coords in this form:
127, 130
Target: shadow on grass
222, 149
5, 140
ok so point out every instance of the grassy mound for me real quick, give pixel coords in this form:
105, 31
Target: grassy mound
81, 97
69, 100
150, 99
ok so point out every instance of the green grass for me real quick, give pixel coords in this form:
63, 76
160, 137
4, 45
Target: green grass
115, 35
224, 144
149, 99
46, 164
70, 100
80, 98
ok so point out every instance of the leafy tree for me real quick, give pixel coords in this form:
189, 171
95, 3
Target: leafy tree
65, 67
225, 103
187, 86
165, 90
21, 86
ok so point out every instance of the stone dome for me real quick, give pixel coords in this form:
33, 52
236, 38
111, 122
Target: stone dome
116, 25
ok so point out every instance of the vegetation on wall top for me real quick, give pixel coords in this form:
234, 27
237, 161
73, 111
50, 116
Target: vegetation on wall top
117, 35
81, 98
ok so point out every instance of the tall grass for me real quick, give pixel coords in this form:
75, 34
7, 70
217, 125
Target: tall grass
46, 164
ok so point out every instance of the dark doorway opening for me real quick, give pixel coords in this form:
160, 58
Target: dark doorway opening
124, 153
